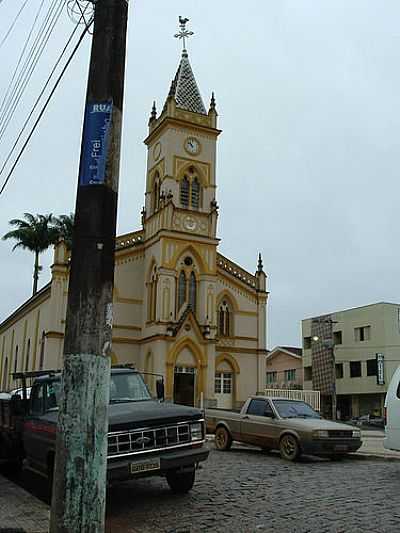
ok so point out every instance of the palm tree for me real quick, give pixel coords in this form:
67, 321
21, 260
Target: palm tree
35, 234
64, 225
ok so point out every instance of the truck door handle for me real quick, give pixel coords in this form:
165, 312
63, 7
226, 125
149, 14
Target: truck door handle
245, 417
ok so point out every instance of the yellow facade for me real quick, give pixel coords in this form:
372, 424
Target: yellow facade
181, 309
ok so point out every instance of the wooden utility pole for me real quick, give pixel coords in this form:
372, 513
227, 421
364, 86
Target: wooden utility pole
79, 487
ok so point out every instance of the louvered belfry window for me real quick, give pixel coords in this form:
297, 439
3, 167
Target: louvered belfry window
192, 291
195, 193
190, 190
185, 187
224, 320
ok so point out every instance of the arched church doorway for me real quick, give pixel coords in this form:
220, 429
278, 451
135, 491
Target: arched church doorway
184, 385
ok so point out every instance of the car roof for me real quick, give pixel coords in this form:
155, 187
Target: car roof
257, 397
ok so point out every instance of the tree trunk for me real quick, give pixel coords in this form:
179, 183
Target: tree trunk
36, 273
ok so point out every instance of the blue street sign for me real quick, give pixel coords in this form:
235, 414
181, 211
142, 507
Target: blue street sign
96, 133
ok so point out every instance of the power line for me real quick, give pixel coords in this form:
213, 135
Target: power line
38, 99
13, 23
28, 69
43, 109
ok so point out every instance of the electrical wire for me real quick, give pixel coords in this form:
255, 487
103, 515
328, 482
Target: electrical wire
13, 23
43, 109
16, 98
38, 99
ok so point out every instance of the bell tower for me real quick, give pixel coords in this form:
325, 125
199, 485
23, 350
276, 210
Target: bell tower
181, 156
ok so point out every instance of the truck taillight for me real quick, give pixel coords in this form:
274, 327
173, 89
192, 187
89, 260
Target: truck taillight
385, 415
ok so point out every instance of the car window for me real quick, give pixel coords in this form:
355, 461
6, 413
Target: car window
295, 409
53, 391
37, 400
257, 407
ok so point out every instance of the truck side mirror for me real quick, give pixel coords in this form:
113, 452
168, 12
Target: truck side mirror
160, 389
17, 405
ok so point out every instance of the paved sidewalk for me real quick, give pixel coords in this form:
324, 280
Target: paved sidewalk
20, 512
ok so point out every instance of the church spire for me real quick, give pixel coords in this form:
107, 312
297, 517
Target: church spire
184, 89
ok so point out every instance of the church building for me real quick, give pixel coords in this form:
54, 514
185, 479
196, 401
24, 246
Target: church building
181, 309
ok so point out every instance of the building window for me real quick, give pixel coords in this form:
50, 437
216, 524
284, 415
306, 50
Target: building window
355, 369
28, 349
308, 373
372, 368
290, 375
224, 320
192, 291
187, 290
339, 370
42, 346
16, 360
307, 343
5, 374
152, 296
190, 190
156, 192
223, 382
337, 337
271, 377
362, 334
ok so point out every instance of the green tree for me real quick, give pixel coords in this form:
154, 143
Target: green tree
64, 226
36, 234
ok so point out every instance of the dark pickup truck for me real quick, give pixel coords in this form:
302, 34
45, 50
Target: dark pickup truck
146, 436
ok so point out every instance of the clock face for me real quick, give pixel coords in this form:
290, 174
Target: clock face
192, 146
157, 151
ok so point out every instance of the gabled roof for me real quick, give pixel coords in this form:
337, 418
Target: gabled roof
295, 352
184, 88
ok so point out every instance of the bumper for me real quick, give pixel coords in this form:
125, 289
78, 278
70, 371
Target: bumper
178, 459
330, 446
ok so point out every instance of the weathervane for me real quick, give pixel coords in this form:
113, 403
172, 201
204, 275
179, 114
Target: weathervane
184, 33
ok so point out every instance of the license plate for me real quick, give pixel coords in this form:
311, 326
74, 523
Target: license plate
341, 448
144, 466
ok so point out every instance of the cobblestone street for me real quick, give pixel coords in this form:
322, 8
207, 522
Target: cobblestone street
245, 490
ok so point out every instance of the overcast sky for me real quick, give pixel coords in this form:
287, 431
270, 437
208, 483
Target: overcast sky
308, 162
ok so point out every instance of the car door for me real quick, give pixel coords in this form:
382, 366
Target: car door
257, 424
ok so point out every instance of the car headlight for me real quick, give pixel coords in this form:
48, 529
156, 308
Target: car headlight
356, 434
320, 434
196, 431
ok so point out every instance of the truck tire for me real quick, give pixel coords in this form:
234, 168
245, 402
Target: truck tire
289, 447
223, 439
181, 482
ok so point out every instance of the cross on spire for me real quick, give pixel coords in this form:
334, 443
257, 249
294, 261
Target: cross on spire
183, 33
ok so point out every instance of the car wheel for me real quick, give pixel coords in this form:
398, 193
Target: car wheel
289, 447
181, 482
223, 440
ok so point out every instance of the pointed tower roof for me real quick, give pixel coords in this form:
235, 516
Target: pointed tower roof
184, 88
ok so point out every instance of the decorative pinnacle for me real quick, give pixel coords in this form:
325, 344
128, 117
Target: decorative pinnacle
153, 115
259, 265
183, 33
212, 103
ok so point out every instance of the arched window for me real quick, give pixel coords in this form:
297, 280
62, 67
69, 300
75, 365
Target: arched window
192, 291
184, 193
181, 289
28, 349
152, 296
224, 320
190, 190
16, 359
156, 192
42, 346
5, 374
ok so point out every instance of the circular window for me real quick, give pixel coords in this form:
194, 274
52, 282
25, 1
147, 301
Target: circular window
188, 261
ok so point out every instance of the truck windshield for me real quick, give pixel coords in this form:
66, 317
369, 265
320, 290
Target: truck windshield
295, 409
128, 387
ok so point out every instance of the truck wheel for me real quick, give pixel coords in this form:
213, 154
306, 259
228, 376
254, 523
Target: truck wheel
223, 440
181, 482
289, 447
